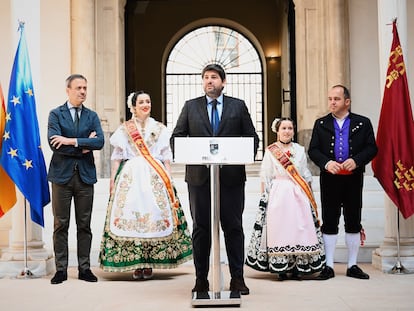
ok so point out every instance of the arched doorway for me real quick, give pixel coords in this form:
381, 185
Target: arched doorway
215, 44
149, 45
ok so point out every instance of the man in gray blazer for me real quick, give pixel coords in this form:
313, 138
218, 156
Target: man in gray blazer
216, 114
74, 131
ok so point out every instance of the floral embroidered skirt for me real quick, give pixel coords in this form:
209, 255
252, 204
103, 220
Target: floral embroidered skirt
143, 228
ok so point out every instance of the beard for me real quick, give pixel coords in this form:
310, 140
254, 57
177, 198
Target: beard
213, 92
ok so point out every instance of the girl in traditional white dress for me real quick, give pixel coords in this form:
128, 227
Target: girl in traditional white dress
145, 226
286, 237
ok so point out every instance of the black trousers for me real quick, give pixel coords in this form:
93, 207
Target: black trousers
341, 193
231, 210
82, 195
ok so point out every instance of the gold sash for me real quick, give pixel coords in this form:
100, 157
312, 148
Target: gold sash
293, 172
139, 142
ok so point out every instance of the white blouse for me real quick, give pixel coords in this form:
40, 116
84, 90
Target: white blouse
271, 167
160, 148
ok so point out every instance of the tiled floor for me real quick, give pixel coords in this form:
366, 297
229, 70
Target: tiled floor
170, 289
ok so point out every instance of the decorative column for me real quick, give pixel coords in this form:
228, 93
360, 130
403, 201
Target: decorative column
110, 73
84, 54
385, 257
322, 58
310, 65
337, 43
98, 53
83, 45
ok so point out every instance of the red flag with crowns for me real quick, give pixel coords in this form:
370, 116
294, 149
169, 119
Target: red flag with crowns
394, 164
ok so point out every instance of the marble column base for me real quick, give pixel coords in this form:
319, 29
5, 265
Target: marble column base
39, 263
385, 258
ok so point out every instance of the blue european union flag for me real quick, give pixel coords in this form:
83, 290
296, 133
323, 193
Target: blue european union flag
22, 156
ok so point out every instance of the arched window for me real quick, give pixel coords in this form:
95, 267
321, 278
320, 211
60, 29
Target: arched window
224, 46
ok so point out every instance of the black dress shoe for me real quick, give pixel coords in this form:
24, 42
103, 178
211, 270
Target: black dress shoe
356, 272
282, 277
59, 277
238, 285
201, 285
326, 273
87, 276
298, 276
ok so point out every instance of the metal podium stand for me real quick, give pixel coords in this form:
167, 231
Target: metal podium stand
216, 297
214, 151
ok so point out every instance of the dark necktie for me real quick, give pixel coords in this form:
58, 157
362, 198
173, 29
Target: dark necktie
76, 119
215, 121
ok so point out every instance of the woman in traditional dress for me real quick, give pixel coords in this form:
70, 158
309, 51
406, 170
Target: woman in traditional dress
286, 237
145, 226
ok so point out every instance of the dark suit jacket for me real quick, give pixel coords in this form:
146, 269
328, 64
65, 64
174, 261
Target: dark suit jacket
235, 122
64, 159
362, 146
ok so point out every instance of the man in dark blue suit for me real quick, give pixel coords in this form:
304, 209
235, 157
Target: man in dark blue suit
74, 131
342, 144
232, 119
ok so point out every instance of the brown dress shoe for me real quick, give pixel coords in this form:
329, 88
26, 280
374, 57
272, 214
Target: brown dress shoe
147, 274
238, 285
138, 274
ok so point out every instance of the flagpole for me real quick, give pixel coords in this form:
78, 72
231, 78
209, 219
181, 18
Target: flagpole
26, 273
23, 142
398, 267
